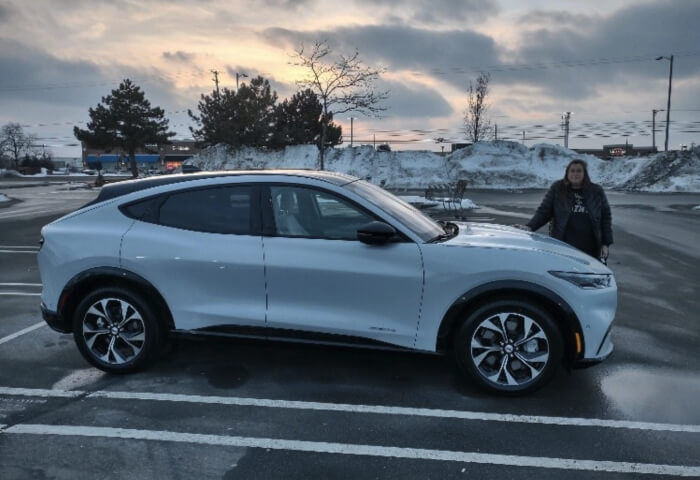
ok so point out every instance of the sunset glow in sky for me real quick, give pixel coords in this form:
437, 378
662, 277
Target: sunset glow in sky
594, 58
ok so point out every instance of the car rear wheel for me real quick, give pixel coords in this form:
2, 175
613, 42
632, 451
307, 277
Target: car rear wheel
116, 330
509, 347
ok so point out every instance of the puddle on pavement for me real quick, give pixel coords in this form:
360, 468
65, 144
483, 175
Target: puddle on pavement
653, 394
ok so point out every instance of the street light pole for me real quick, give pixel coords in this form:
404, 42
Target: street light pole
653, 126
239, 75
566, 117
351, 130
668, 104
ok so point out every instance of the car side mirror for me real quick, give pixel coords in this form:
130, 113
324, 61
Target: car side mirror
376, 233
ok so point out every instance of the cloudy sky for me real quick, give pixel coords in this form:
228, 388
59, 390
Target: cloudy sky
593, 58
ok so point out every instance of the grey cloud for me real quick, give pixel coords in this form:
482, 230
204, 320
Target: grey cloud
34, 76
5, 13
556, 18
413, 100
455, 56
179, 56
437, 11
635, 35
399, 46
288, 4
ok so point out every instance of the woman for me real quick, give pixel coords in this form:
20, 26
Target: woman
579, 212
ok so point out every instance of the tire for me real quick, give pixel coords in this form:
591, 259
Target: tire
516, 365
109, 342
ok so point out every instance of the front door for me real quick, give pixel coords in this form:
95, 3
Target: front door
320, 278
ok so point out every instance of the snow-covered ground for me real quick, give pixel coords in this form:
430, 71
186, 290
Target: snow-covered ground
497, 165
4, 198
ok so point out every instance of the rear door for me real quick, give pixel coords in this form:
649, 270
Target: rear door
320, 278
202, 249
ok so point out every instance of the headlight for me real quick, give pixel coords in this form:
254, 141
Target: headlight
585, 280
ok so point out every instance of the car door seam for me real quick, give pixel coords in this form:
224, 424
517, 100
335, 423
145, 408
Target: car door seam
262, 241
121, 241
422, 292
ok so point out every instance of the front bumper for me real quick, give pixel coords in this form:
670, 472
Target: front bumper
589, 362
55, 320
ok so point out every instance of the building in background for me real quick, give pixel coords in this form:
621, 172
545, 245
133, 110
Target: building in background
67, 163
164, 158
618, 150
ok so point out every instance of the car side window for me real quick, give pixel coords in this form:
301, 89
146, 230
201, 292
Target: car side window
212, 210
306, 212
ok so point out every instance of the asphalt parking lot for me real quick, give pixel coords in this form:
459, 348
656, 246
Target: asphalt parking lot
250, 409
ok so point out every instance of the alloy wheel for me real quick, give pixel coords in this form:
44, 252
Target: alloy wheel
114, 331
509, 349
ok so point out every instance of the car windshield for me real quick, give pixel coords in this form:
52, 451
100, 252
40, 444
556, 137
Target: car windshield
422, 225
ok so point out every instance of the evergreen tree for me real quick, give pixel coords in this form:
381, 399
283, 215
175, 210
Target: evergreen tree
125, 120
298, 122
237, 118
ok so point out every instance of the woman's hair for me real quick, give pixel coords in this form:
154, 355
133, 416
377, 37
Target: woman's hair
564, 184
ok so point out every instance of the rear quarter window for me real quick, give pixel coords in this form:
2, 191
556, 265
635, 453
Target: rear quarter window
212, 210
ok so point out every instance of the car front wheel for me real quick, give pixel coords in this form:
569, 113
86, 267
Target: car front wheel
116, 330
509, 347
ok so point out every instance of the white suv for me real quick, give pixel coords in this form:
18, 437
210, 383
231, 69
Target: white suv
322, 257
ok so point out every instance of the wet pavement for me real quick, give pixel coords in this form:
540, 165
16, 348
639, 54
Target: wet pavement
217, 417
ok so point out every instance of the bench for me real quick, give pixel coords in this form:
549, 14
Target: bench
449, 194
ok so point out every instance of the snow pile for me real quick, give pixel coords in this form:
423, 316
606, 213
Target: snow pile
673, 171
498, 164
4, 198
9, 173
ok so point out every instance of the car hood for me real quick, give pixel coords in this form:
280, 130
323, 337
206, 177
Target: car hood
500, 236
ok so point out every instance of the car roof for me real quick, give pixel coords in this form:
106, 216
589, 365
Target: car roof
118, 189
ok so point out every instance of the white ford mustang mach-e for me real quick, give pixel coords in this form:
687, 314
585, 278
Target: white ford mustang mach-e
323, 257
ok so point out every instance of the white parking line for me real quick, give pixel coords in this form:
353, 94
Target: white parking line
21, 332
24, 247
19, 251
354, 408
16, 284
354, 449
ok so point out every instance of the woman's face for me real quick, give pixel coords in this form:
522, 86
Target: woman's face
575, 175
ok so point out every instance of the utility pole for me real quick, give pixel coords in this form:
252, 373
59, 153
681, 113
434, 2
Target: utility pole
668, 104
523, 137
351, 129
216, 80
495, 131
239, 75
566, 117
374, 141
653, 126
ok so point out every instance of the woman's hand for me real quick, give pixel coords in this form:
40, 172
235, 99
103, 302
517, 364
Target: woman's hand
604, 251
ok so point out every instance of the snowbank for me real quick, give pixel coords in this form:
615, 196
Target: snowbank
498, 165
4, 198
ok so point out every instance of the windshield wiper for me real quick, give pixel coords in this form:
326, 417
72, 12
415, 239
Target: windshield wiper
451, 231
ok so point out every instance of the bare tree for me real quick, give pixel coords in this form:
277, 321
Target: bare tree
476, 122
14, 143
343, 85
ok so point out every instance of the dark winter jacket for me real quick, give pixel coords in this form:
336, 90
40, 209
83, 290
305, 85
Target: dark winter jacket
554, 210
